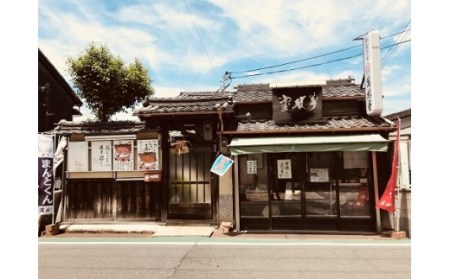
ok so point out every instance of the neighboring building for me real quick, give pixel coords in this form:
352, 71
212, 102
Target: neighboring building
56, 98
405, 144
307, 158
56, 101
405, 167
105, 165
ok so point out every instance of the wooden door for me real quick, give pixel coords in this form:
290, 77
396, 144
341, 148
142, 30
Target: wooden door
190, 194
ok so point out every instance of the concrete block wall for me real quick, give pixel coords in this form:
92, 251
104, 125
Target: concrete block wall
226, 197
405, 212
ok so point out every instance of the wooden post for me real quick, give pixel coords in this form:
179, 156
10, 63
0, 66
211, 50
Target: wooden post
375, 185
164, 174
114, 201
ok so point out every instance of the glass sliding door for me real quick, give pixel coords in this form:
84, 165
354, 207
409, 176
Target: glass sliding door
254, 191
320, 192
354, 191
288, 171
315, 191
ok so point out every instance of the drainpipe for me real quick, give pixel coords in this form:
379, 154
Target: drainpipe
219, 113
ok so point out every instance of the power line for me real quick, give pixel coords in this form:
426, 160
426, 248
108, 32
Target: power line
406, 30
201, 40
309, 58
297, 61
315, 65
393, 50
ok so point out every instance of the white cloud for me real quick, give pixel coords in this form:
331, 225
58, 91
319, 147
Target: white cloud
390, 70
162, 34
394, 105
166, 16
166, 92
400, 88
284, 28
122, 116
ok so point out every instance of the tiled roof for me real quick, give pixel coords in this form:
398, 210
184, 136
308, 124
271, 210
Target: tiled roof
342, 91
186, 102
201, 95
209, 101
113, 127
328, 124
263, 93
252, 93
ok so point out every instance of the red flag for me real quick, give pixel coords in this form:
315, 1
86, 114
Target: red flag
387, 201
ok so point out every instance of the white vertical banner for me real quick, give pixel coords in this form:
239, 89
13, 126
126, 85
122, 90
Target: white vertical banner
372, 73
252, 166
101, 155
123, 155
77, 156
148, 154
404, 164
45, 146
284, 169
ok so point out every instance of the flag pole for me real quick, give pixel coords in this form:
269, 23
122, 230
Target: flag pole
398, 202
388, 200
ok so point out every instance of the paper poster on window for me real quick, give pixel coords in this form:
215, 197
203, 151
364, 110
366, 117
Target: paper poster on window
319, 175
284, 169
252, 166
77, 155
221, 165
123, 155
101, 155
148, 154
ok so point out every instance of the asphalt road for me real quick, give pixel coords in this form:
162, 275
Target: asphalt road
197, 260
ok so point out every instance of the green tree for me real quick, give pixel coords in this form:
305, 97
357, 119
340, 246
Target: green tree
106, 83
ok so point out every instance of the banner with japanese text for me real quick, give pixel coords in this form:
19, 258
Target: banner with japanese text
45, 174
284, 169
101, 155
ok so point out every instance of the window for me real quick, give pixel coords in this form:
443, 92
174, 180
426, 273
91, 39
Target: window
353, 185
253, 186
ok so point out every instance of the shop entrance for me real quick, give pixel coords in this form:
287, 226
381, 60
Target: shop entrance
314, 191
190, 190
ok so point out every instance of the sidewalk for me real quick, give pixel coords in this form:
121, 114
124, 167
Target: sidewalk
160, 231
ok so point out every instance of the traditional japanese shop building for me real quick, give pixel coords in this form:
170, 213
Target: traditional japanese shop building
315, 162
307, 157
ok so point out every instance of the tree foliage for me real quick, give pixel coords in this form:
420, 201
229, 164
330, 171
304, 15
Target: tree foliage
106, 83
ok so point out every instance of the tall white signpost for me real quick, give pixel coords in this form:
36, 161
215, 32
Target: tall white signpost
372, 73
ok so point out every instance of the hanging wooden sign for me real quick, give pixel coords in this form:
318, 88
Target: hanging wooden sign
299, 104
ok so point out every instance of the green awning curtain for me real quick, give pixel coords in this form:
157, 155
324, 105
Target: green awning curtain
372, 142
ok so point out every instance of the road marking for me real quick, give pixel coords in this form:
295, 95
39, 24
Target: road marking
206, 243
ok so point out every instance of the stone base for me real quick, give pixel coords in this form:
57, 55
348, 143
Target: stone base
398, 235
52, 229
226, 227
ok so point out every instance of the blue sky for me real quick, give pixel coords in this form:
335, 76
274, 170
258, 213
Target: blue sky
188, 45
